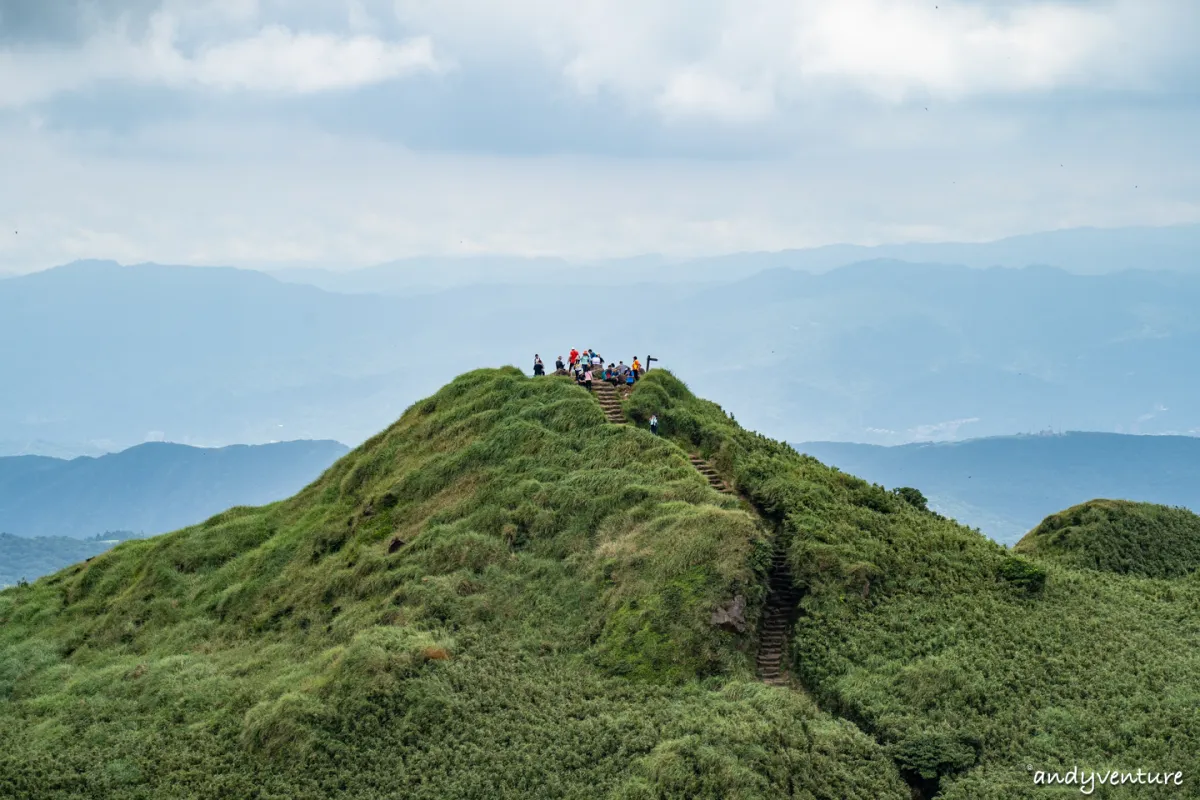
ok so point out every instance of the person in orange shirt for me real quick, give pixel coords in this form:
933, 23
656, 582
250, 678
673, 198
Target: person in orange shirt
636, 366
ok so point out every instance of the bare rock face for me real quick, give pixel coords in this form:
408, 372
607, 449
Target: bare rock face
731, 616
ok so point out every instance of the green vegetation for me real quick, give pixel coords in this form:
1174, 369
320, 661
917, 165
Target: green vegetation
965, 661
1143, 539
502, 595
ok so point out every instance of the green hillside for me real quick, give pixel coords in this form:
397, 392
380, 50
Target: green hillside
505, 595
1144, 539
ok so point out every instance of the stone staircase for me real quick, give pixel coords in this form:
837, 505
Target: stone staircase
778, 616
610, 401
782, 596
710, 474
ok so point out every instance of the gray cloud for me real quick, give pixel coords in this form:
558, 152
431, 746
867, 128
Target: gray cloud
37, 22
267, 131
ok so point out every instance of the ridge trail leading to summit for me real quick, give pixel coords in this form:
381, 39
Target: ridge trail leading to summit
710, 474
783, 596
606, 395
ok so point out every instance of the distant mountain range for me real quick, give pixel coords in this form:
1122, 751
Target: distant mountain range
1085, 251
40, 447
883, 352
1006, 485
151, 488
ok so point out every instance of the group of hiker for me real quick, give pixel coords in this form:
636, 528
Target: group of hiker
588, 366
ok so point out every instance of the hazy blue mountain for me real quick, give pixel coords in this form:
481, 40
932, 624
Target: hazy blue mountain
422, 275
888, 353
1078, 250
882, 352
153, 487
1006, 485
205, 356
30, 558
1085, 251
40, 447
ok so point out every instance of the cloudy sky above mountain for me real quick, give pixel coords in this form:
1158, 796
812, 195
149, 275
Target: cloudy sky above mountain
347, 132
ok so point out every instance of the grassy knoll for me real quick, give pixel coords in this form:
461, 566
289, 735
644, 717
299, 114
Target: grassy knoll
499, 596
966, 662
1119, 536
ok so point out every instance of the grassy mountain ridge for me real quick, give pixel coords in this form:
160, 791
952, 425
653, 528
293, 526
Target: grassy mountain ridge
504, 595
500, 594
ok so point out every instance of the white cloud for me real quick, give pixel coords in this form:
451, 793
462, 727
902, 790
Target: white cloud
265, 193
694, 92
739, 61
279, 60
940, 430
721, 59
952, 50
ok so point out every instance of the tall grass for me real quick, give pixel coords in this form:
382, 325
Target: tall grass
966, 661
501, 595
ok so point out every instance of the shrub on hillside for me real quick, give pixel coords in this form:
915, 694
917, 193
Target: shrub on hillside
913, 497
1023, 574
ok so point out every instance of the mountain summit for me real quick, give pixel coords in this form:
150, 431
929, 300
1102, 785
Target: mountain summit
506, 594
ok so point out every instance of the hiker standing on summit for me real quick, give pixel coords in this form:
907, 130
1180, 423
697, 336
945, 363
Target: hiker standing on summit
574, 357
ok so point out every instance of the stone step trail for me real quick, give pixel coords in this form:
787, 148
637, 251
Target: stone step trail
778, 615
782, 596
710, 474
609, 401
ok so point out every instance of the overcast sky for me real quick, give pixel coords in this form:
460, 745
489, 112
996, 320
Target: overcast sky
348, 132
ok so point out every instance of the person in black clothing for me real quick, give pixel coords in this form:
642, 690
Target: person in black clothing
538, 367
559, 366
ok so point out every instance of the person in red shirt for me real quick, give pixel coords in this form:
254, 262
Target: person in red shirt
574, 357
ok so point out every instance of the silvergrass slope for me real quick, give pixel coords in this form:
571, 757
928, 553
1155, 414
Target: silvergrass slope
504, 595
967, 662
